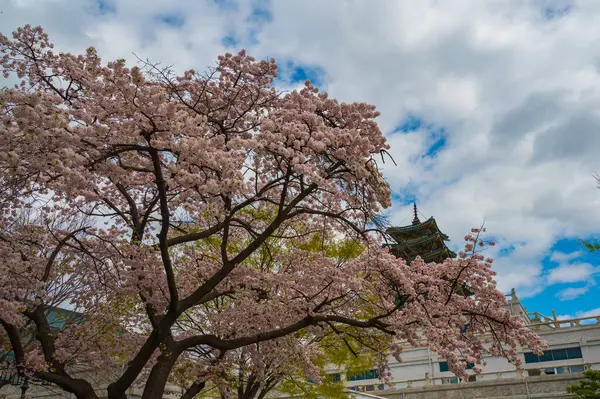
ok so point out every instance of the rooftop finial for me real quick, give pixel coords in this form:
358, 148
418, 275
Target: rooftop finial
416, 218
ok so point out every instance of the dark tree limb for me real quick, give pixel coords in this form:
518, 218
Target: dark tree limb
193, 390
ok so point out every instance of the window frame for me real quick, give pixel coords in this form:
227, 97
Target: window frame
364, 375
573, 352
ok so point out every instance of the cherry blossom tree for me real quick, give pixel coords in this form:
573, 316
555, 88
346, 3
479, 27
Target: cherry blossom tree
258, 370
254, 371
149, 201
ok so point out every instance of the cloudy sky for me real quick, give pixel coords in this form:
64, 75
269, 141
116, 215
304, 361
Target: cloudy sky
491, 107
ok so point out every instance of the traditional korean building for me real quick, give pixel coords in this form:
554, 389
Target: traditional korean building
424, 239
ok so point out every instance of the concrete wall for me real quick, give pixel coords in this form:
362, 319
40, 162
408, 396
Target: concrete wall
544, 387
410, 374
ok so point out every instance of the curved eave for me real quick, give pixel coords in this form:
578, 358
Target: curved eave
403, 231
422, 240
412, 227
441, 251
58, 318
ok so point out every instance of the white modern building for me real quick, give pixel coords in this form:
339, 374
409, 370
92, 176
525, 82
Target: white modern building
574, 346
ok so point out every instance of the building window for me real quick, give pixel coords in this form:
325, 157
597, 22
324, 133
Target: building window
444, 366
554, 354
334, 377
450, 380
574, 353
559, 354
368, 388
531, 357
456, 380
556, 370
367, 375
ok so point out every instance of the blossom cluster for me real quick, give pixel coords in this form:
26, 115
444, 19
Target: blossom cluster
188, 218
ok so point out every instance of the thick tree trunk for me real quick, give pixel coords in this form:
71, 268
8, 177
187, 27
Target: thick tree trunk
193, 390
117, 389
157, 380
251, 391
115, 393
82, 389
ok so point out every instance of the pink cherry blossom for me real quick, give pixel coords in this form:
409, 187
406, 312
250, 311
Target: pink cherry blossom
187, 219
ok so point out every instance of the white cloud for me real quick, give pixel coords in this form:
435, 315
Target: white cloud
581, 314
589, 313
561, 257
571, 293
571, 273
525, 279
516, 93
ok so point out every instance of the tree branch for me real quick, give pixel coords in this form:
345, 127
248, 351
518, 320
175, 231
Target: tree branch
193, 390
56, 251
230, 344
15, 342
164, 230
212, 282
45, 336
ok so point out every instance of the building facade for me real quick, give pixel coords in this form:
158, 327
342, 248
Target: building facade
574, 346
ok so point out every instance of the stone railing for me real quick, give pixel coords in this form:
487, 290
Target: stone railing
499, 375
548, 325
557, 324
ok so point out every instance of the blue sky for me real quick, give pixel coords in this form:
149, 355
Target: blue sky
569, 289
491, 108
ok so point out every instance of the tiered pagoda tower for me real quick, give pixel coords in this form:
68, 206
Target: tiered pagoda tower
422, 239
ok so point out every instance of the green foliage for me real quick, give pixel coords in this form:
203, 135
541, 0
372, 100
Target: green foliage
345, 356
592, 246
588, 388
298, 386
343, 350
341, 250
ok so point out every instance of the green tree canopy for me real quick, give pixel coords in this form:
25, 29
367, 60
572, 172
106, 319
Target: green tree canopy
588, 388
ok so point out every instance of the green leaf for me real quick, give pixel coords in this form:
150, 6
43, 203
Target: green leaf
588, 388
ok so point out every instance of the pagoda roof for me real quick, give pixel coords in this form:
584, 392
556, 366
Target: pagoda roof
416, 230
428, 257
58, 318
443, 251
413, 227
421, 240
